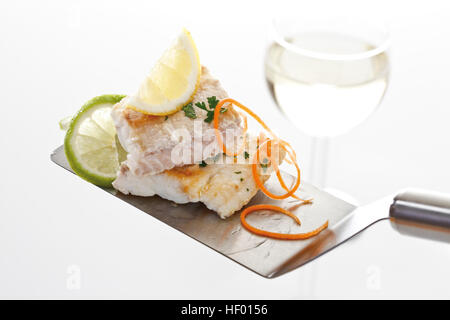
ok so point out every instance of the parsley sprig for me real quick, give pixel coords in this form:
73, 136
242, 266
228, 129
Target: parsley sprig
189, 110
212, 103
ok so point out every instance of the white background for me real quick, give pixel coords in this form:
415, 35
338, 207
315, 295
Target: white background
55, 55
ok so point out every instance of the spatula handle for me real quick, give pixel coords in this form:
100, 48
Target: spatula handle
415, 209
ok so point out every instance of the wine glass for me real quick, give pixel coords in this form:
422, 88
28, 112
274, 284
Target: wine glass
326, 76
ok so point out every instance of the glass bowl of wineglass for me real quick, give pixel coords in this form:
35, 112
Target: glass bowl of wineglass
326, 76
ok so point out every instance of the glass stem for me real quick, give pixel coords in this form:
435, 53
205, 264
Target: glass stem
318, 161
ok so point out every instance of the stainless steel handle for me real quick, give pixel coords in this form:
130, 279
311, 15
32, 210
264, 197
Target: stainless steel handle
422, 213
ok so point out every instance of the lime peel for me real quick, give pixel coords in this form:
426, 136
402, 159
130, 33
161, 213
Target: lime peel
85, 165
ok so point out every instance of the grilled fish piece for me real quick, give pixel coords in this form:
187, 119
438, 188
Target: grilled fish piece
150, 140
222, 185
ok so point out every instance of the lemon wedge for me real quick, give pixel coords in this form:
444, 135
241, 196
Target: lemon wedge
172, 82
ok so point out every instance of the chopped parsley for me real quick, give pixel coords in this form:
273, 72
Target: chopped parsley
203, 164
248, 189
242, 179
189, 111
246, 155
238, 172
167, 117
212, 104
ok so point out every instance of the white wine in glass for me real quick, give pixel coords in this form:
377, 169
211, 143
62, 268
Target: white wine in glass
326, 78
326, 97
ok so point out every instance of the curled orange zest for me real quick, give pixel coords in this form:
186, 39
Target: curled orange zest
285, 145
275, 235
260, 185
216, 121
277, 170
264, 142
280, 178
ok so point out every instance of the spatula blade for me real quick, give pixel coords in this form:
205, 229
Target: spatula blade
268, 257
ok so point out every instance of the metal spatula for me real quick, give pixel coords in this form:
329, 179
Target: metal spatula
417, 213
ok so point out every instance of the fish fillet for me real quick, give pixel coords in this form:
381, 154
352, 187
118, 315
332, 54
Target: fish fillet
155, 143
222, 186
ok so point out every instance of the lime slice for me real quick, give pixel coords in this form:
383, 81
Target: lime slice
90, 143
172, 82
